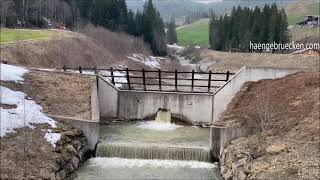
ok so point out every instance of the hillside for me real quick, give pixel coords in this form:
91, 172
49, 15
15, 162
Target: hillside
305, 34
180, 8
12, 35
296, 11
90, 47
225, 61
284, 117
194, 34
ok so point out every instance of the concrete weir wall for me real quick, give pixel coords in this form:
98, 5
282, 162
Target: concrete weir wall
219, 136
224, 95
90, 126
108, 98
133, 105
193, 108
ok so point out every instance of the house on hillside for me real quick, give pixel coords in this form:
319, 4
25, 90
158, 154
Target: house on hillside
310, 20
307, 52
50, 24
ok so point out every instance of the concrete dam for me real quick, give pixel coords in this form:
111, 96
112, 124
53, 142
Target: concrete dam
140, 149
162, 135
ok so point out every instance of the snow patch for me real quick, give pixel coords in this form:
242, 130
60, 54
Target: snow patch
154, 163
46, 69
25, 114
151, 61
52, 138
11, 73
83, 72
175, 47
118, 80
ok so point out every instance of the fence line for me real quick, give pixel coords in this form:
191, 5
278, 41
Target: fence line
131, 79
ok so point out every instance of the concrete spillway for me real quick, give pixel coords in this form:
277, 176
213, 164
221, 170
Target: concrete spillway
152, 151
163, 115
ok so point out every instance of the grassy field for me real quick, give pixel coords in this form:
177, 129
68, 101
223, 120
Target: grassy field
194, 34
12, 35
299, 9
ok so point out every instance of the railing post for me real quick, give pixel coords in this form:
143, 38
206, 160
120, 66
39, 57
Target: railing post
128, 78
80, 69
144, 79
64, 68
159, 72
228, 75
95, 70
112, 77
176, 80
209, 82
192, 81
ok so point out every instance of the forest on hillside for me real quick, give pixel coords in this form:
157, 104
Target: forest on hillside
191, 9
245, 25
111, 14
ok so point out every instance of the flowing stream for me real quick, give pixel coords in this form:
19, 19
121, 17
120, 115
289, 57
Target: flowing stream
117, 168
156, 149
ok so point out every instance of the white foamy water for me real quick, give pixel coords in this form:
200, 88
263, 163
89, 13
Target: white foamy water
117, 168
155, 163
159, 126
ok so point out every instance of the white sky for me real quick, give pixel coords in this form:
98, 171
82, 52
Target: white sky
206, 1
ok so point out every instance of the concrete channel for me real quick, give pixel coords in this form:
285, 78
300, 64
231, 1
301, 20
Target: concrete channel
110, 103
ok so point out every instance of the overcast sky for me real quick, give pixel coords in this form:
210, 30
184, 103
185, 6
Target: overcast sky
206, 1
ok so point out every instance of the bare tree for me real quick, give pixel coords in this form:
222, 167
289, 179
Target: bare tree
266, 111
6, 11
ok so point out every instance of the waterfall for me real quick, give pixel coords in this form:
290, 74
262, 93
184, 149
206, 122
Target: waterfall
153, 151
163, 115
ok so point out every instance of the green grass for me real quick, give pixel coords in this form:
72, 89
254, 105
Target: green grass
194, 34
13, 35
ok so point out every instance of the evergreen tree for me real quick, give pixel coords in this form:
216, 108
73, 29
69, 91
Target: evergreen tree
131, 24
245, 25
283, 27
264, 33
153, 29
256, 27
139, 22
211, 31
123, 15
171, 33
273, 30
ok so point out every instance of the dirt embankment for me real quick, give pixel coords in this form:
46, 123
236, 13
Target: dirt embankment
226, 61
284, 117
25, 154
58, 93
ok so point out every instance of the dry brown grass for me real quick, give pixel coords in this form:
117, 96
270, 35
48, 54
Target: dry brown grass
235, 61
93, 47
119, 44
286, 110
305, 34
58, 93
24, 153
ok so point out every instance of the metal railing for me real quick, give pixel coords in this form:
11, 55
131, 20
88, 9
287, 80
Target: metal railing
159, 80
